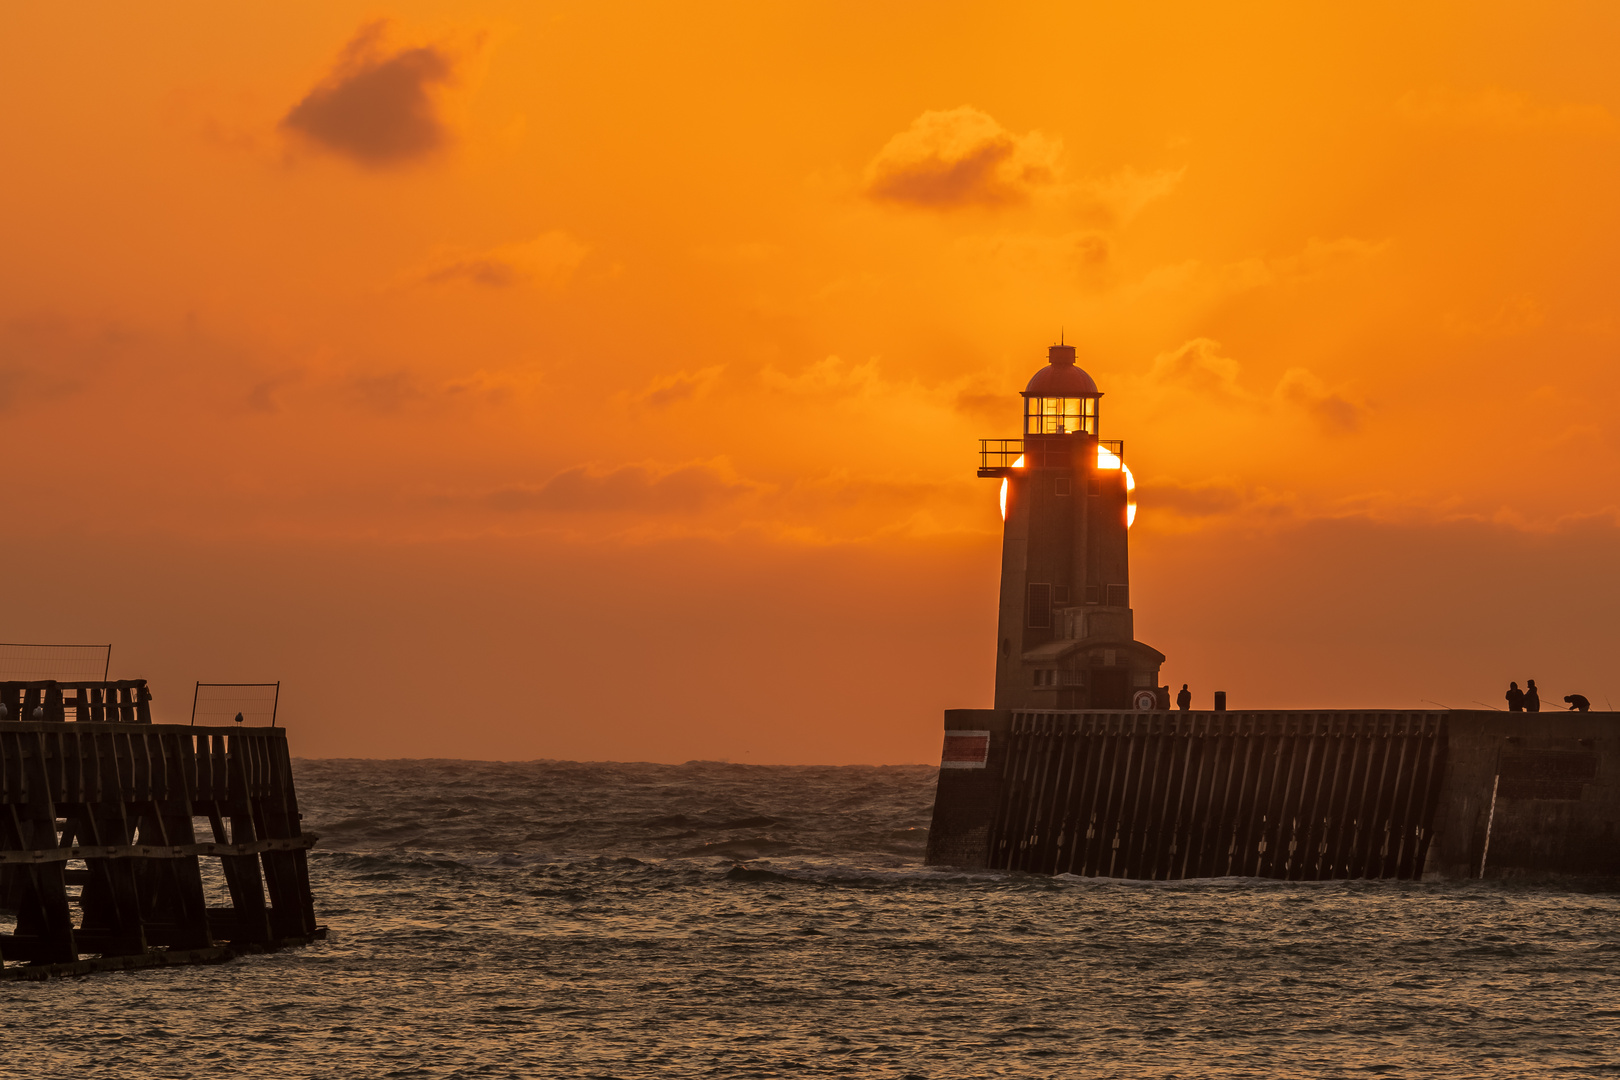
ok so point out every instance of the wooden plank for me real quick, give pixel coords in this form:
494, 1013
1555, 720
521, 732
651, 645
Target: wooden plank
1070, 828
1118, 789
1339, 829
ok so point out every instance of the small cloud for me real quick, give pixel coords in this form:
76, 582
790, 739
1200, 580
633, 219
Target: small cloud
1209, 498
1199, 367
495, 387
1318, 259
264, 395
832, 376
642, 489
1330, 408
959, 158
1499, 110
550, 259
383, 394
376, 107
1114, 200
1513, 316
681, 386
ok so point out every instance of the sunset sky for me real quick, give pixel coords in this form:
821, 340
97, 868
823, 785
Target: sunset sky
603, 381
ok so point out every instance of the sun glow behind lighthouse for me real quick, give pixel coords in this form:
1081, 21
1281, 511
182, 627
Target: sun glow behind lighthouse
1019, 464
1106, 459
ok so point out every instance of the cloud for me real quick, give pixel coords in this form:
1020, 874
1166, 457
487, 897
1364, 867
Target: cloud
1331, 409
1199, 367
1516, 315
1500, 110
642, 489
376, 107
1114, 200
45, 357
681, 386
550, 259
383, 394
830, 377
960, 158
1208, 498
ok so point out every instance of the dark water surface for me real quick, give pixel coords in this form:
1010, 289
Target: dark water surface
567, 920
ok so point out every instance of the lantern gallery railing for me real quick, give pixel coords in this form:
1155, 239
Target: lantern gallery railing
998, 456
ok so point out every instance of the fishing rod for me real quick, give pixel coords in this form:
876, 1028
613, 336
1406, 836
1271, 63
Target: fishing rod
1477, 702
1430, 701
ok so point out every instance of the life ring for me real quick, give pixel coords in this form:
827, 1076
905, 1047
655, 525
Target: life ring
1145, 701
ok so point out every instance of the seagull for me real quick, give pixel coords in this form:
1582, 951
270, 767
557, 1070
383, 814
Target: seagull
238, 718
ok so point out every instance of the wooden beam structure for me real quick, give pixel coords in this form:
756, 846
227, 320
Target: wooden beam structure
100, 852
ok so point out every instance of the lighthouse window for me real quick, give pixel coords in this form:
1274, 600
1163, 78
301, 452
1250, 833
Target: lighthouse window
1060, 485
1060, 595
1119, 596
1093, 594
1060, 416
1040, 606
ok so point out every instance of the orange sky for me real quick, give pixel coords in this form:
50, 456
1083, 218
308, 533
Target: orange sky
602, 381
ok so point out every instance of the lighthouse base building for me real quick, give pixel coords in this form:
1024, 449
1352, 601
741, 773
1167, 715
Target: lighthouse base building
1082, 768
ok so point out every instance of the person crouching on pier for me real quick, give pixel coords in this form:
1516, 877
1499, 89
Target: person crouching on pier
1515, 698
1577, 702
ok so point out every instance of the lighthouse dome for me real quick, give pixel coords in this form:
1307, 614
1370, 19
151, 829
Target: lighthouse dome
1060, 378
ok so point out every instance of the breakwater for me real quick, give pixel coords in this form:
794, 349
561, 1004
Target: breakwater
1295, 795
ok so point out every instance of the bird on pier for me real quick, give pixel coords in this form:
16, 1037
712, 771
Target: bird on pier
238, 718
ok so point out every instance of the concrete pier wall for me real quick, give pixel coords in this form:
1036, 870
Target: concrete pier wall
1298, 795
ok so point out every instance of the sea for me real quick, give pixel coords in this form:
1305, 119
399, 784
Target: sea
565, 919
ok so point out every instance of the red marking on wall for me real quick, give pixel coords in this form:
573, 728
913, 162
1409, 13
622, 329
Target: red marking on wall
965, 750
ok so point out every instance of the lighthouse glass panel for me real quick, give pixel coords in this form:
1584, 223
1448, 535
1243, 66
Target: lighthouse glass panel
1060, 415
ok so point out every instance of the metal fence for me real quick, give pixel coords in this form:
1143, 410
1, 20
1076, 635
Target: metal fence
22, 662
217, 704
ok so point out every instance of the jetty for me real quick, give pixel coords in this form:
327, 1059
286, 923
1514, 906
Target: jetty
1082, 767
1293, 795
116, 833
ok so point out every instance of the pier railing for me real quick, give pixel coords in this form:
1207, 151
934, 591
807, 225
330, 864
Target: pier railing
997, 456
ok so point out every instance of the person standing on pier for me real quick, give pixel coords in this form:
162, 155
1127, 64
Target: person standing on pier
1515, 698
1184, 699
1532, 697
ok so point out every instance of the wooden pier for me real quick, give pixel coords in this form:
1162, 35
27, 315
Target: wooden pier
106, 820
1306, 795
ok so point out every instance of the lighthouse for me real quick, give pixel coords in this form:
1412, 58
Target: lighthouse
1065, 635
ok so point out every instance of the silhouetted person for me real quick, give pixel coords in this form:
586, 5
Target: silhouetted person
1532, 697
1577, 702
1515, 698
1184, 699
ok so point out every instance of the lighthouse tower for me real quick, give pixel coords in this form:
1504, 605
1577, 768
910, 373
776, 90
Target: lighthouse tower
1065, 638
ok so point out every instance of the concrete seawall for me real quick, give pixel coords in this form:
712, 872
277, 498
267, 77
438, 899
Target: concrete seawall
1298, 795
